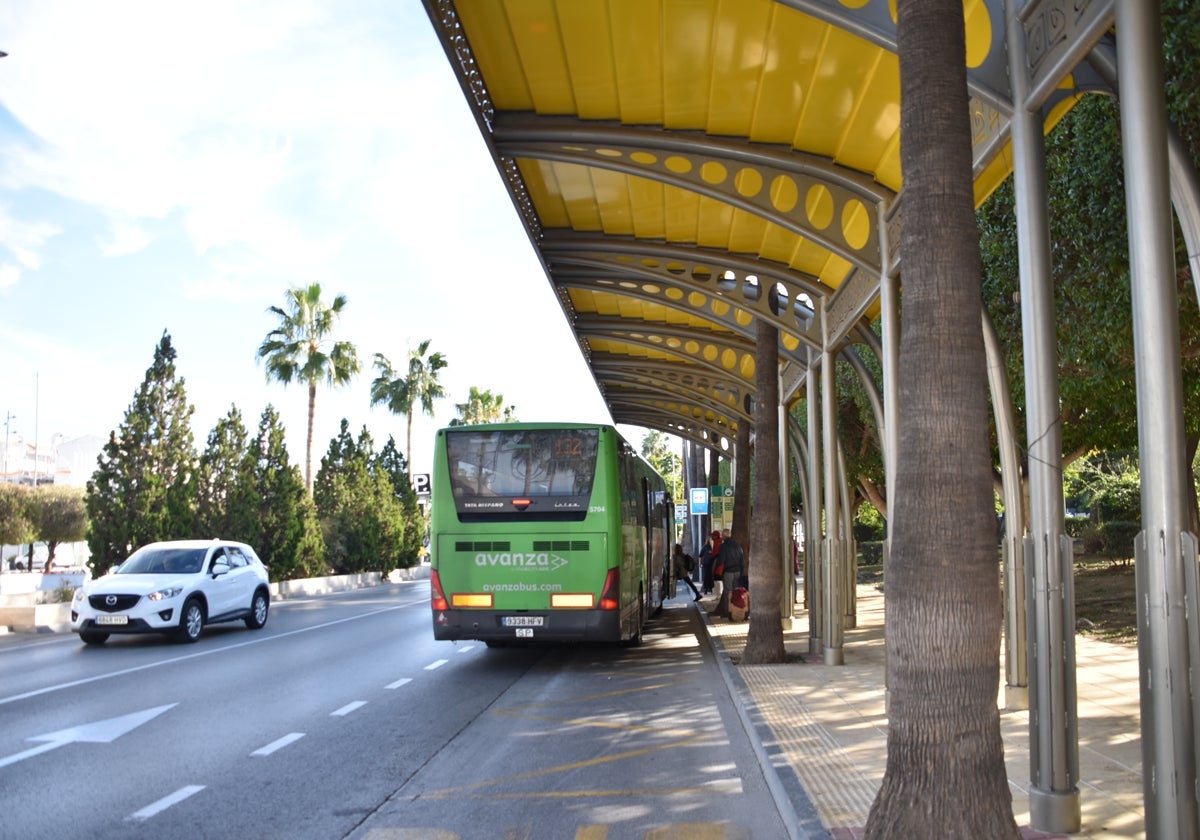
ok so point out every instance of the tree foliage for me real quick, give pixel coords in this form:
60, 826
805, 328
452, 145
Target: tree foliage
656, 449
483, 407
16, 526
362, 519
391, 463
59, 515
1090, 260
286, 531
143, 489
223, 502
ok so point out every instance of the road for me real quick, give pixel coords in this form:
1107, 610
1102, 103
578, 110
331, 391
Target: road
344, 719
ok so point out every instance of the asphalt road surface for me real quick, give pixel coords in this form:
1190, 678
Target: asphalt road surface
343, 718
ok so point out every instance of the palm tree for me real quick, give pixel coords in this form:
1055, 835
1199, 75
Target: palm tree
944, 612
482, 407
301, 348
764, 641
403, 393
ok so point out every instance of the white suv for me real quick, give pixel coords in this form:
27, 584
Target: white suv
174, 587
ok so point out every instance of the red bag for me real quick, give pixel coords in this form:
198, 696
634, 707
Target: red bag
739, 604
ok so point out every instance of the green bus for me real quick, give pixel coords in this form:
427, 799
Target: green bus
546, 531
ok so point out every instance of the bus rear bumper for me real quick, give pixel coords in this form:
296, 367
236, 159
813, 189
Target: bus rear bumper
557, 626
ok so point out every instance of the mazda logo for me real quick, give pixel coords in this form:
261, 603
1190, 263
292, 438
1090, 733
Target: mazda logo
111, 600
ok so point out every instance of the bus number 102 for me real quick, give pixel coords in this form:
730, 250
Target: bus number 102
567, 447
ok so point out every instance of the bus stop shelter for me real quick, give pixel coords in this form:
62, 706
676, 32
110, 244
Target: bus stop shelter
687, 169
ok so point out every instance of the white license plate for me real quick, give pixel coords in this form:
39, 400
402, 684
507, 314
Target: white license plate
524, 632
523, 620
112, 619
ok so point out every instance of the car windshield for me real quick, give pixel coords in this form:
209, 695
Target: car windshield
151, 561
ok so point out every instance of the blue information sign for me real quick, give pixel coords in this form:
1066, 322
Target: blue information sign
699, 501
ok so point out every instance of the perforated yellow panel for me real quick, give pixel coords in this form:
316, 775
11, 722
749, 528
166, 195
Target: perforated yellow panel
687, 167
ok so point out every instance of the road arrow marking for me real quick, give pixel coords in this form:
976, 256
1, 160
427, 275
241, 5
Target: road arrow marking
100, 732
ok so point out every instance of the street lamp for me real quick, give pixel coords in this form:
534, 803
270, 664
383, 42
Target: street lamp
8, 418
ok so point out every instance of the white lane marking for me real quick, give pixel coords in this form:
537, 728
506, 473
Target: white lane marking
433, 665
466, 648
258, 641
348, 708
290, 738
97, 732
165, 803
399, 682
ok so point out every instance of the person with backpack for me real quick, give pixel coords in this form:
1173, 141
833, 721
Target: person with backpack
685, 564
731, 563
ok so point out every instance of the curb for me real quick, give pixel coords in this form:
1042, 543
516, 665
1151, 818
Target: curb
795, 808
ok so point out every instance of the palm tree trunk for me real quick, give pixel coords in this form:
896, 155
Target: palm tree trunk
764, 641
945, 774
408, 442
312, 414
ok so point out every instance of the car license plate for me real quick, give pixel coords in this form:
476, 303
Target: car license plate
523, 620
524, 632
112, 619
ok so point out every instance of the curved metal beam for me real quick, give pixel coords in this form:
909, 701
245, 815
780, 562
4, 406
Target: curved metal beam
772, 182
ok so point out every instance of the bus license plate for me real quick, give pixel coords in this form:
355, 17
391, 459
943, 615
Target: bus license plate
112, 619
523, 620
524, 632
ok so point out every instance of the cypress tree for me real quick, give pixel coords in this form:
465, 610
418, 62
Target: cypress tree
143, 489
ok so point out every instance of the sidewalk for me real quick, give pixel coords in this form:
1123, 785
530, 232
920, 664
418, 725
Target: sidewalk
828, 723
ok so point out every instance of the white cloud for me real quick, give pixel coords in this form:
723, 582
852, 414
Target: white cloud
231, 150
24, 239
124, 237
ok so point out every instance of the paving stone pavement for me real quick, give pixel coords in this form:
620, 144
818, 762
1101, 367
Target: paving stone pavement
828, 723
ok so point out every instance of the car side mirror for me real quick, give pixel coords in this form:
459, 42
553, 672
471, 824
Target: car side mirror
219, 569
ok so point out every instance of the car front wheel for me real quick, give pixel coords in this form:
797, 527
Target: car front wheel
191, 622
93, 638
258, 611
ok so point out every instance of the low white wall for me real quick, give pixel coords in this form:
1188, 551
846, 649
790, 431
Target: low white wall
29, 611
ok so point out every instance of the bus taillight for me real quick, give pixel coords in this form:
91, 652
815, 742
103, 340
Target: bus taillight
437, 597
610, 596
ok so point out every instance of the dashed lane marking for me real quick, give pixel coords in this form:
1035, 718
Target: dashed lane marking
290, 738
348, 708
399, 682
165, 803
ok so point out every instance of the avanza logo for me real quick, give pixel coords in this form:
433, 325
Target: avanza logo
540, 561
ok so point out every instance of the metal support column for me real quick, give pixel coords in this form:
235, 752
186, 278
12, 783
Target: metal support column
1166, 555
787, 592
1053, 723
1016, 653
813, 551
832, 555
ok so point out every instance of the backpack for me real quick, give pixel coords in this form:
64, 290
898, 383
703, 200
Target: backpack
689, 563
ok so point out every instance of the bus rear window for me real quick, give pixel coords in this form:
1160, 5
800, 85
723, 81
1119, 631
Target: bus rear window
528, 471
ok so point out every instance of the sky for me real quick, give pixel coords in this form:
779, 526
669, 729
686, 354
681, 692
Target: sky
178, 166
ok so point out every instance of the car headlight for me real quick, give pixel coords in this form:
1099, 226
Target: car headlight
79, 594
164, 594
